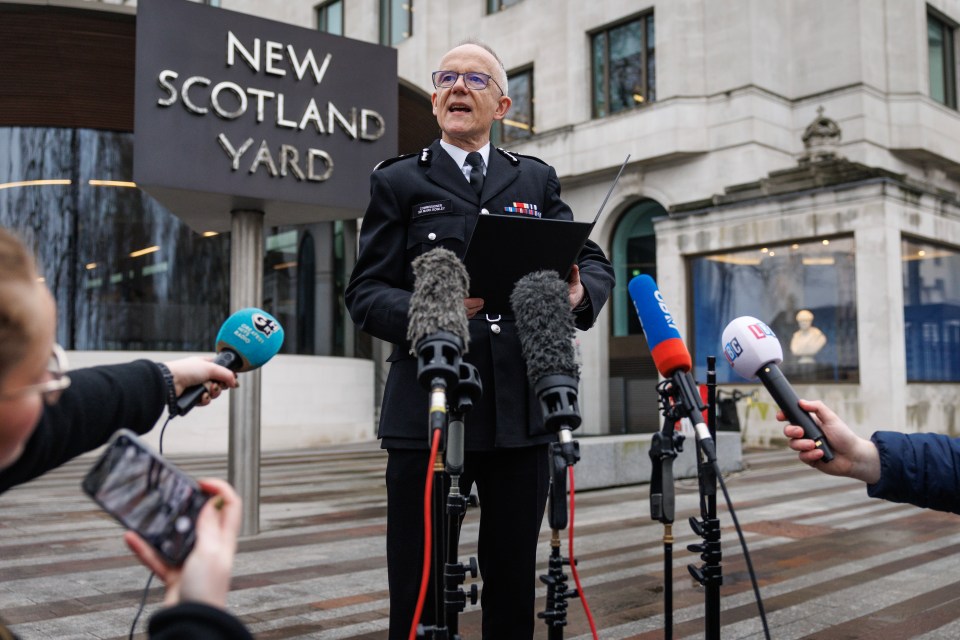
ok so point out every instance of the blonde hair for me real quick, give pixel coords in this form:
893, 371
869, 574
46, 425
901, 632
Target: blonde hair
18, 281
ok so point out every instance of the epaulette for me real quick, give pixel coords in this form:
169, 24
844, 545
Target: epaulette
514, 157
390, 161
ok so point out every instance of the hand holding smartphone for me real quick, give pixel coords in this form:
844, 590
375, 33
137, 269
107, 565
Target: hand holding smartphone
147, 494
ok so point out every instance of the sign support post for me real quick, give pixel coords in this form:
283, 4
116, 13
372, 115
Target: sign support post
246, 290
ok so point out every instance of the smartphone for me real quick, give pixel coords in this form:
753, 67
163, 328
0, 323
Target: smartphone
147, 494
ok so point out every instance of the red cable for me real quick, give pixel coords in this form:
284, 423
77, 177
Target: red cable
573, 563
427, 535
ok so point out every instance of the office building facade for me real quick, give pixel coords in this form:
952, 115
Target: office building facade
795, 161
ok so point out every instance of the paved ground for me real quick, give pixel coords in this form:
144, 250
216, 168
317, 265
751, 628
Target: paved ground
831, 562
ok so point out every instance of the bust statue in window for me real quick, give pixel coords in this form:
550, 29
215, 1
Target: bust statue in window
807, 340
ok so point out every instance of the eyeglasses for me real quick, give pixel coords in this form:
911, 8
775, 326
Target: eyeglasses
50, 389
471, 79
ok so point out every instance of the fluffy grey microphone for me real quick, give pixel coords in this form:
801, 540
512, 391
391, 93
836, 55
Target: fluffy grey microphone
440, 285
545, 325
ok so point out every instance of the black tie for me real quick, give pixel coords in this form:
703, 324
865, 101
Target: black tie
475, 160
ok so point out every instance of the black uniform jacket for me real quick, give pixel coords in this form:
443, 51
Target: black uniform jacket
422, 201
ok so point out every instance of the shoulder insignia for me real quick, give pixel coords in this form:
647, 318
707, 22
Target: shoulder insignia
425, 156
514, 157
390, 161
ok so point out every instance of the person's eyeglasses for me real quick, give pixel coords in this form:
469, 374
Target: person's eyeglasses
471, 79
52, 388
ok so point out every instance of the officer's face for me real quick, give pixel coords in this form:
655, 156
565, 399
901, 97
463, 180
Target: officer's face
466, 115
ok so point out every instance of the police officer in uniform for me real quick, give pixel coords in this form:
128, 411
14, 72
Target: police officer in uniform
430, 199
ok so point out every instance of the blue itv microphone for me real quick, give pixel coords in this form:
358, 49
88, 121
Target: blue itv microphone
246, 341
670, 355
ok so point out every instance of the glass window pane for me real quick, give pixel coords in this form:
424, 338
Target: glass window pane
519, 121
599, 75
396, 21
126, 273
931, 313
935, 46
626, 67
129, 275
807, 296
623, 66
651, 87
330, 17
494, 6
940, 54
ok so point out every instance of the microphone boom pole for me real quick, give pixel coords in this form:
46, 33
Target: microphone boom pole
438, 333
546, 329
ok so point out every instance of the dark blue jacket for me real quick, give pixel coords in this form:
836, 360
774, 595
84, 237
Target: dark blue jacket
918, 468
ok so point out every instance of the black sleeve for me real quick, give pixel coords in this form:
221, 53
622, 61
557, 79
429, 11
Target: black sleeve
192, 620
98, 401
375, 297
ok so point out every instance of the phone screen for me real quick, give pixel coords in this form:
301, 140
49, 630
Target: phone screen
147, 494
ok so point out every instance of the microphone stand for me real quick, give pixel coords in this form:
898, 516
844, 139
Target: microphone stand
710, 573
438, 370
468, 392
663, 451
558, 402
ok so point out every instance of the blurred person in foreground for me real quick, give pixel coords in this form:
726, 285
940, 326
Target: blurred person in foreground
48, 417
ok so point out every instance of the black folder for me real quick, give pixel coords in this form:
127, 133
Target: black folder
505, 248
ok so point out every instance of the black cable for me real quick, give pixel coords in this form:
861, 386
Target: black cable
162, 430
746, 554
146, 589
143, 602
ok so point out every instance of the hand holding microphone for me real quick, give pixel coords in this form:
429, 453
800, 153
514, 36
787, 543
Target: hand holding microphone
854, 457
196, 370
752, 349
246, 341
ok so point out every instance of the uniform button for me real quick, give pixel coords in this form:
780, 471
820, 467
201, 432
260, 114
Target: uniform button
495, 328
431, 236
484, 211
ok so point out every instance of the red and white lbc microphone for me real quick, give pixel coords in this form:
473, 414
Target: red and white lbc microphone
752, 349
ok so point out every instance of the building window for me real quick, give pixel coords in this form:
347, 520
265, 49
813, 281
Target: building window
942, 61
805, 292
129, 275
518, 124
494, 6
931, 311
623, 66
330, 17
396, 21
126, 274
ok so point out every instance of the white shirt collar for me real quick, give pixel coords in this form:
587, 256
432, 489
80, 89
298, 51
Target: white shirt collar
460, 156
